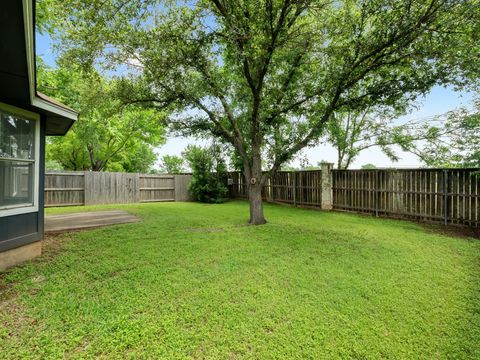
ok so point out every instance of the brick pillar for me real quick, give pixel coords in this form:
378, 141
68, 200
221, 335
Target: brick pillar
327, 183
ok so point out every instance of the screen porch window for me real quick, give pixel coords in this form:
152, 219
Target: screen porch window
18, 158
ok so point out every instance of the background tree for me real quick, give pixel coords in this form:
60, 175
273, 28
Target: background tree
172, 164
136, 157
109, 136
458, 145
53, 165
266, 76
44, 13
352, 132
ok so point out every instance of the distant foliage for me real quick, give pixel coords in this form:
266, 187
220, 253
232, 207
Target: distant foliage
458, 144
353, 132
53, 165
172, 164
209, 173
109, 135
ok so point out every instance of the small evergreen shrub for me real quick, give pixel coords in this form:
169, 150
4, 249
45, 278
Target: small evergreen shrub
209, 174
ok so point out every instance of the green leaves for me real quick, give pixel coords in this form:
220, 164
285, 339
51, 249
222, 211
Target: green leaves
172, 164
350, 133
267, 76
109, 134
209, 173
458, 145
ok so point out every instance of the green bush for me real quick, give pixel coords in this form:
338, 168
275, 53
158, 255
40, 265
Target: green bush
209, 174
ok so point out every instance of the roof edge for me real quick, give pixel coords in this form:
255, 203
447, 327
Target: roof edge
45, 102
38, 99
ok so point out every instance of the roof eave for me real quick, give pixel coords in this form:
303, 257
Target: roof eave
51, 109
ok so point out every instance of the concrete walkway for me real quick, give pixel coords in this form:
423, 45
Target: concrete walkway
85, 220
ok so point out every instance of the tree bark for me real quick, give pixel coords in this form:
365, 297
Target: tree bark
255, 179
256, 204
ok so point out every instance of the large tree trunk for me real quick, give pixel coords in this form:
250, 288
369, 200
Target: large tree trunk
255, 183
256, 204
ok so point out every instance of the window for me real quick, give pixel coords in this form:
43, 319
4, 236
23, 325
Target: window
19, 144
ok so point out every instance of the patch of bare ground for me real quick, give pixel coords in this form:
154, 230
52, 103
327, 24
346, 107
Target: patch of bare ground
204, 230
52, 244
211, 230
455, 231
13, 313
449, 230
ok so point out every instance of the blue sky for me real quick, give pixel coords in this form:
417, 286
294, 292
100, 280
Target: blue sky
438, 101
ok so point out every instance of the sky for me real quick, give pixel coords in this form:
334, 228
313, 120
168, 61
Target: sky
439, 101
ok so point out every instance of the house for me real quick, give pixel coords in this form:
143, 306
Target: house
26, 117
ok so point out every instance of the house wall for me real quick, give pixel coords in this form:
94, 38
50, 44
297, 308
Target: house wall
18, 232
13, 62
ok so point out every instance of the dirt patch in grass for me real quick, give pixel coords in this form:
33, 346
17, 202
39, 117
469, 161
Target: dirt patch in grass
17, 320
204, 230
449, 230
456, 231
52, 244
16, 317
6, 292
212, 230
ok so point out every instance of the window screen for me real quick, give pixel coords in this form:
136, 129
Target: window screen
17, 160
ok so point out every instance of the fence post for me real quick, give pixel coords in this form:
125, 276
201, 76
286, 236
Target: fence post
181, 183
137, 187
294, 174
272, 186
87, 183
327, 183
377, 191
445, 197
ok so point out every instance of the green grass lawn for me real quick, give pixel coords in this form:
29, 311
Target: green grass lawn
193, 281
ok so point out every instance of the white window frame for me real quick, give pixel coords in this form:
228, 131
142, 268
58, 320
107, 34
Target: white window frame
10, 210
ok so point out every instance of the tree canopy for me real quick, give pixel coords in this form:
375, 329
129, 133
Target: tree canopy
350, 133
266, 76
459, 143
172, 164
108, 135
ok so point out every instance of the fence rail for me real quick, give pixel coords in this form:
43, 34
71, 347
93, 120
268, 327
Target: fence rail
306, 188
91, 188
447, 196
64, 188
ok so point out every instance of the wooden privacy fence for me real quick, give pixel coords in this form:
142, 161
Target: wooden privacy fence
447, 196
90, 188
450, 197
306, 188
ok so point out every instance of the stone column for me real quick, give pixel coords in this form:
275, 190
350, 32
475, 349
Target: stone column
327, 183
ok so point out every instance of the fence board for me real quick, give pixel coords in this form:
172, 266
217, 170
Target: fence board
64, 188
296, 188
89, 188
157, 188
181, 187
448, 196
435, 195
